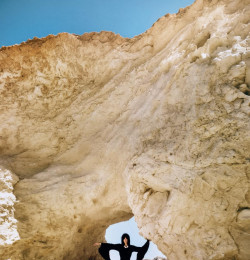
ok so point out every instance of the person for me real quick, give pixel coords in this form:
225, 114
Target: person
125, 249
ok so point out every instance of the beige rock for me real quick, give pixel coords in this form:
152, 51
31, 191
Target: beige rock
8, 228
99, 128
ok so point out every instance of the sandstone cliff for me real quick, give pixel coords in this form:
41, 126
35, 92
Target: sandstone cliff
97, 128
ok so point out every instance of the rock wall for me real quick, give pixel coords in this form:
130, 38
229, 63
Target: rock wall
97, 128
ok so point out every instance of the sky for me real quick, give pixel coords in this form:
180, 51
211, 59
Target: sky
21, 20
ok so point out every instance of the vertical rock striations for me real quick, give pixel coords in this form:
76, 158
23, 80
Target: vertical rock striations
99, 128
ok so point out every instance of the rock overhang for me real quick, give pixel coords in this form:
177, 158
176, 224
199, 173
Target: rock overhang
98, 127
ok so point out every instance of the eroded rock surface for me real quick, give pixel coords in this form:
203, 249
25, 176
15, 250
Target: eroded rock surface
99, 127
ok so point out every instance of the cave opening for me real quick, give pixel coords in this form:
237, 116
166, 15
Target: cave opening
113, 235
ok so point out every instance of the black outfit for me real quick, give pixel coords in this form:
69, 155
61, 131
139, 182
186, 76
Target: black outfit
125, 253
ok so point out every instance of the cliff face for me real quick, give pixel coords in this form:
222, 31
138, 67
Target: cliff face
97, 128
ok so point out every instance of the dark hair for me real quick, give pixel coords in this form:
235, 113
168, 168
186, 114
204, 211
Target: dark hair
127, 236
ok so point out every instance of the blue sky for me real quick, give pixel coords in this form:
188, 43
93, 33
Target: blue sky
21, 20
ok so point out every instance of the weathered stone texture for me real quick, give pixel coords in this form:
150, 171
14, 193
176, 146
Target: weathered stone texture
97, 128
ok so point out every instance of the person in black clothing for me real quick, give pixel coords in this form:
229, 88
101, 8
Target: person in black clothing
125, 249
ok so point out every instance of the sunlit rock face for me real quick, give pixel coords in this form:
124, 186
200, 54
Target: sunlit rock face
8, 228
96, 128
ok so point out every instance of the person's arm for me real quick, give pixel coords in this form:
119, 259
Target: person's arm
141, 250
108, 246
105, 248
